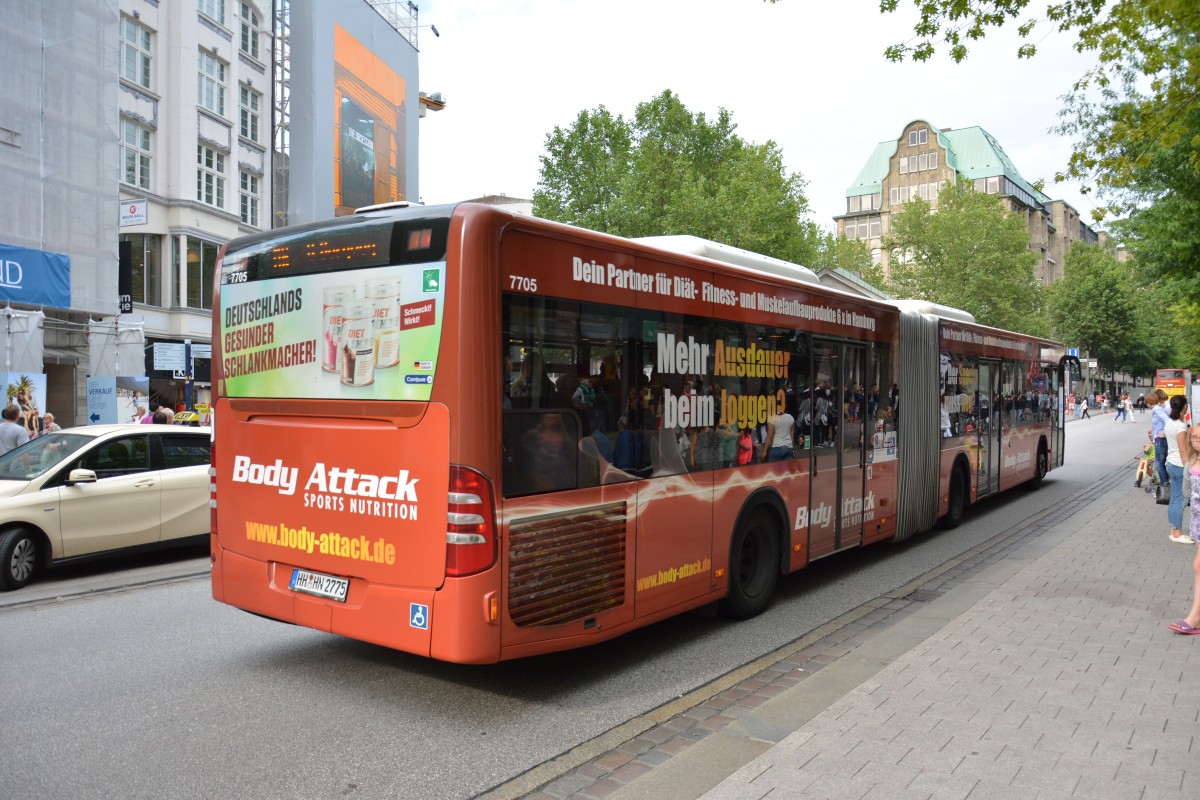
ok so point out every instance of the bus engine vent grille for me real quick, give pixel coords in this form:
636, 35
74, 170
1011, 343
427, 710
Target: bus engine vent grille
564, 567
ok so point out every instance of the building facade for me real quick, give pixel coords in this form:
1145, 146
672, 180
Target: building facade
139, 136
58, 199
924, 159
194, 157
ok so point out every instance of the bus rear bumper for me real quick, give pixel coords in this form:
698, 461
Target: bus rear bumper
449, 624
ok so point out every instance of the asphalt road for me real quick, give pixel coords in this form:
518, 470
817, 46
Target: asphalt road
114, 687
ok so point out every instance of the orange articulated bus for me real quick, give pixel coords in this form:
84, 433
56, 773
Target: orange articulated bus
477, 436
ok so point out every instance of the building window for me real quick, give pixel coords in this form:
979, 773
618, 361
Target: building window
213, 9
136, 41
876, 256
912, 163
903, 166
993, 185
251, 28
146, 276
211, 82
210, 176
249, 198
855, 203
201, 264
135, 154
894, 196
933, 160
923, 161
918, 137
864, 229
875, 228
250, 103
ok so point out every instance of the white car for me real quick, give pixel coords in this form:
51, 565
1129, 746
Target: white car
84, 492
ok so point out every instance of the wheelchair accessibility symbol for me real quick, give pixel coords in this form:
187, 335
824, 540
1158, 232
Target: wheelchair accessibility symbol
418, 616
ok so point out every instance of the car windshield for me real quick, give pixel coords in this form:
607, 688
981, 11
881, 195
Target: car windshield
40, 455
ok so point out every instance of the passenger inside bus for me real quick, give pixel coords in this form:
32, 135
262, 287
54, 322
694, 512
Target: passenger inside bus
548, 453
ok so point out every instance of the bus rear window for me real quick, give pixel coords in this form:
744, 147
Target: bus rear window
316, 330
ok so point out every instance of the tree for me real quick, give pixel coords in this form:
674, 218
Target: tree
970, 254
671, 171
848, 255
1147, 75
580, 184
1099, 306
1160, 230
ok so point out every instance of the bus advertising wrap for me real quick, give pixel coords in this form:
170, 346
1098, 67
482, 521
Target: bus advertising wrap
369, 334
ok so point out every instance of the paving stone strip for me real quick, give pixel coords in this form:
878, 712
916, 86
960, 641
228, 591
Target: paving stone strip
635, 748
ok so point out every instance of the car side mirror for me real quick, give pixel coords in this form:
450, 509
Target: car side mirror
81, 476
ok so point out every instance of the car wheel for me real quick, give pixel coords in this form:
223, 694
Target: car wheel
18, 555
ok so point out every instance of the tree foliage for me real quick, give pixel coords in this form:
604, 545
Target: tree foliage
1161, 230
667, 171
848, 255
971, 254
1100, 307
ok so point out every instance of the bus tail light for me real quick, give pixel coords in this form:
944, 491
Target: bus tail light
212, 486
470, 523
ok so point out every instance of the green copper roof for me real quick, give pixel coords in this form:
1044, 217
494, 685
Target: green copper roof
971, 152
870, 179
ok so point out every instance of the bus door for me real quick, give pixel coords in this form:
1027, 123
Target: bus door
991, 423
838, 471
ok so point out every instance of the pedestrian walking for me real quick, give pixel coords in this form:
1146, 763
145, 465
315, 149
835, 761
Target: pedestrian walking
1190, 624
1177, 442
1119, 407
1085, 414
12, 434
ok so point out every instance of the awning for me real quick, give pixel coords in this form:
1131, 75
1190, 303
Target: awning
57, 355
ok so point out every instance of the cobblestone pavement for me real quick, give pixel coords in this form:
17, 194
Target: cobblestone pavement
1036, 665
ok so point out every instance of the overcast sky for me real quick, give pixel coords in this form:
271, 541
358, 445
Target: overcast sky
807, 74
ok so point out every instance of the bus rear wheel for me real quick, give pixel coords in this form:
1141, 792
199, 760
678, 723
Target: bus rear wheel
753, 566
957, 505
1042, 467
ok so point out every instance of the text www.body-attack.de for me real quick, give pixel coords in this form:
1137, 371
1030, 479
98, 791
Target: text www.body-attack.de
356, 548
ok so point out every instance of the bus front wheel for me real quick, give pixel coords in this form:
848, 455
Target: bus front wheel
753, 566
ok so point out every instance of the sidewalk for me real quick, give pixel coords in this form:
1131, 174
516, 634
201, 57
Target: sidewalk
1037, 666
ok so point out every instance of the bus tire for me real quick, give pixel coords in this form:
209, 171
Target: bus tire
956, 507
18, 557
1042, 466
753, 565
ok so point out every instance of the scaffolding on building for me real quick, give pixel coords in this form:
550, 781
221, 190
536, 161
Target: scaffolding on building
401, 15
280, 107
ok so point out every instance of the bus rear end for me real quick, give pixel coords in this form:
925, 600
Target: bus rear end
335, 503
